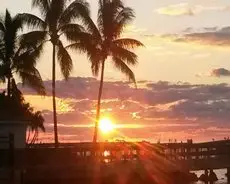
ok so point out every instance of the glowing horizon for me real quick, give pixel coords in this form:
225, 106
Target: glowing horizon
186, 44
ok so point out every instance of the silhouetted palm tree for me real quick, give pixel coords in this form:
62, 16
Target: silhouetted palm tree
36, 124
16, 57
105, 40
56, 20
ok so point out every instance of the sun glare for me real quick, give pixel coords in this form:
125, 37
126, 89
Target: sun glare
106, 125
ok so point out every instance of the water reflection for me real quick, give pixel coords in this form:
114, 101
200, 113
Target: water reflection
220, 174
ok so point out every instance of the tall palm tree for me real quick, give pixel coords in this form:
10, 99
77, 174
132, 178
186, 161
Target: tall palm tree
56, 21
17, 57
104, 41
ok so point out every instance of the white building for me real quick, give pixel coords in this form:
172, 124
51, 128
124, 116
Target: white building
18, 129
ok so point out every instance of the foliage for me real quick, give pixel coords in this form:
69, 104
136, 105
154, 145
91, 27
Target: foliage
104, 41
57, 20
17, 57
101, 42
15, 108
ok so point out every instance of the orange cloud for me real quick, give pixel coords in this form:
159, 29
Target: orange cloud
45, 103
158, 110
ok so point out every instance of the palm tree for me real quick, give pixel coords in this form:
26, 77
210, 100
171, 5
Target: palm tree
57, 20
104, 41
36, 124
17, 57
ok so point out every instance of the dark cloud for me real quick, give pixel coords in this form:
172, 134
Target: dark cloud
211, 29
207, 36
84, 88
159, 105
188, 30
205, 29
220, 72
211, 38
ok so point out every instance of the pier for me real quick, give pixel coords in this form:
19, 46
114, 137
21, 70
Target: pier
70, 160
192, 156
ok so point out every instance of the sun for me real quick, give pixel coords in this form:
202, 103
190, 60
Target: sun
106, 125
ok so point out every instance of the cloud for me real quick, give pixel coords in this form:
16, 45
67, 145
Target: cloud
157, 108
207, 36
177, 10
220, 37
132, 30
186, 9
208, 29
220, 72
211, 28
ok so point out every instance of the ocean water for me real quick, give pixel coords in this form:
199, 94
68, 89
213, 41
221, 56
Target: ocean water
220, 174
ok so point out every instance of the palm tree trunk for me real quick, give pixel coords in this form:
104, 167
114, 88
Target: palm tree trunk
99, 103
28, 136
34, 139
54, 96
9, 86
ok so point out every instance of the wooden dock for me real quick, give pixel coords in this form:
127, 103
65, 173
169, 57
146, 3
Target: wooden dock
73, 161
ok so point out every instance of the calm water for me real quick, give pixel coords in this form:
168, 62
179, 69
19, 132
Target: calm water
220, 174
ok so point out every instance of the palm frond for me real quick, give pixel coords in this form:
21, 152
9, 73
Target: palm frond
2, 52
95, 66
2, 26
33, 79
128, 43
120, 65
33, 39
65, 60
122, 19
10, 36
77, 47
37, 51
17, 22
93, 53
91, 28
53, 15
124, 54
108, 10
32, 21
2, 79
116, 7
37, 122
102, 16
42, 5
78, 9
23, 62
71, 32
8, 18
3, 71
27, 59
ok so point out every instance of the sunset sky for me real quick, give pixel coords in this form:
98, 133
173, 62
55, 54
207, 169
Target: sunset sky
186, 46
